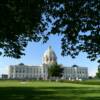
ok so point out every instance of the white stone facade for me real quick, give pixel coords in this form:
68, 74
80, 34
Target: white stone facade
22, 71
75, 73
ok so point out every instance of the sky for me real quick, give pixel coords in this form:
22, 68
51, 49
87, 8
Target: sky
34, 52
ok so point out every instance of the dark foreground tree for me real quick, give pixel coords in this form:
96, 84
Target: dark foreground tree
55, 70
27, 20
73, 19
19, 22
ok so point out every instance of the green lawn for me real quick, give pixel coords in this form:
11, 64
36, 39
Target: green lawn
38, 90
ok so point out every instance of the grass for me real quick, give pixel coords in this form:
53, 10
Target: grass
88, 82
37, 90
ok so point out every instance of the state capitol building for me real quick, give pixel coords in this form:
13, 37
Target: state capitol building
22, 71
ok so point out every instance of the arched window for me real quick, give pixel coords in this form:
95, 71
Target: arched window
51, 59
46, 59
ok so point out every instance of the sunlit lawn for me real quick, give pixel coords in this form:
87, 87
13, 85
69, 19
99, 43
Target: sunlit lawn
37, 90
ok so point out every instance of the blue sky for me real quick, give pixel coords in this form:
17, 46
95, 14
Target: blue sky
34, 53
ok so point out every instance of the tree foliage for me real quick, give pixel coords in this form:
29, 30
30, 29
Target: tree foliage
98, 72
78, 21
55, 70
19, 22
73, 19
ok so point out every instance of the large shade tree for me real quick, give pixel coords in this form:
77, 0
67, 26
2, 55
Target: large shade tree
55, 70
27, 20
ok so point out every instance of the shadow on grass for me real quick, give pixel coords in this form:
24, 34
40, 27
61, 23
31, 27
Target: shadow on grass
47, 93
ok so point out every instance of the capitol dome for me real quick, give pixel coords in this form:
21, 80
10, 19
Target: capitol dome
49, 56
